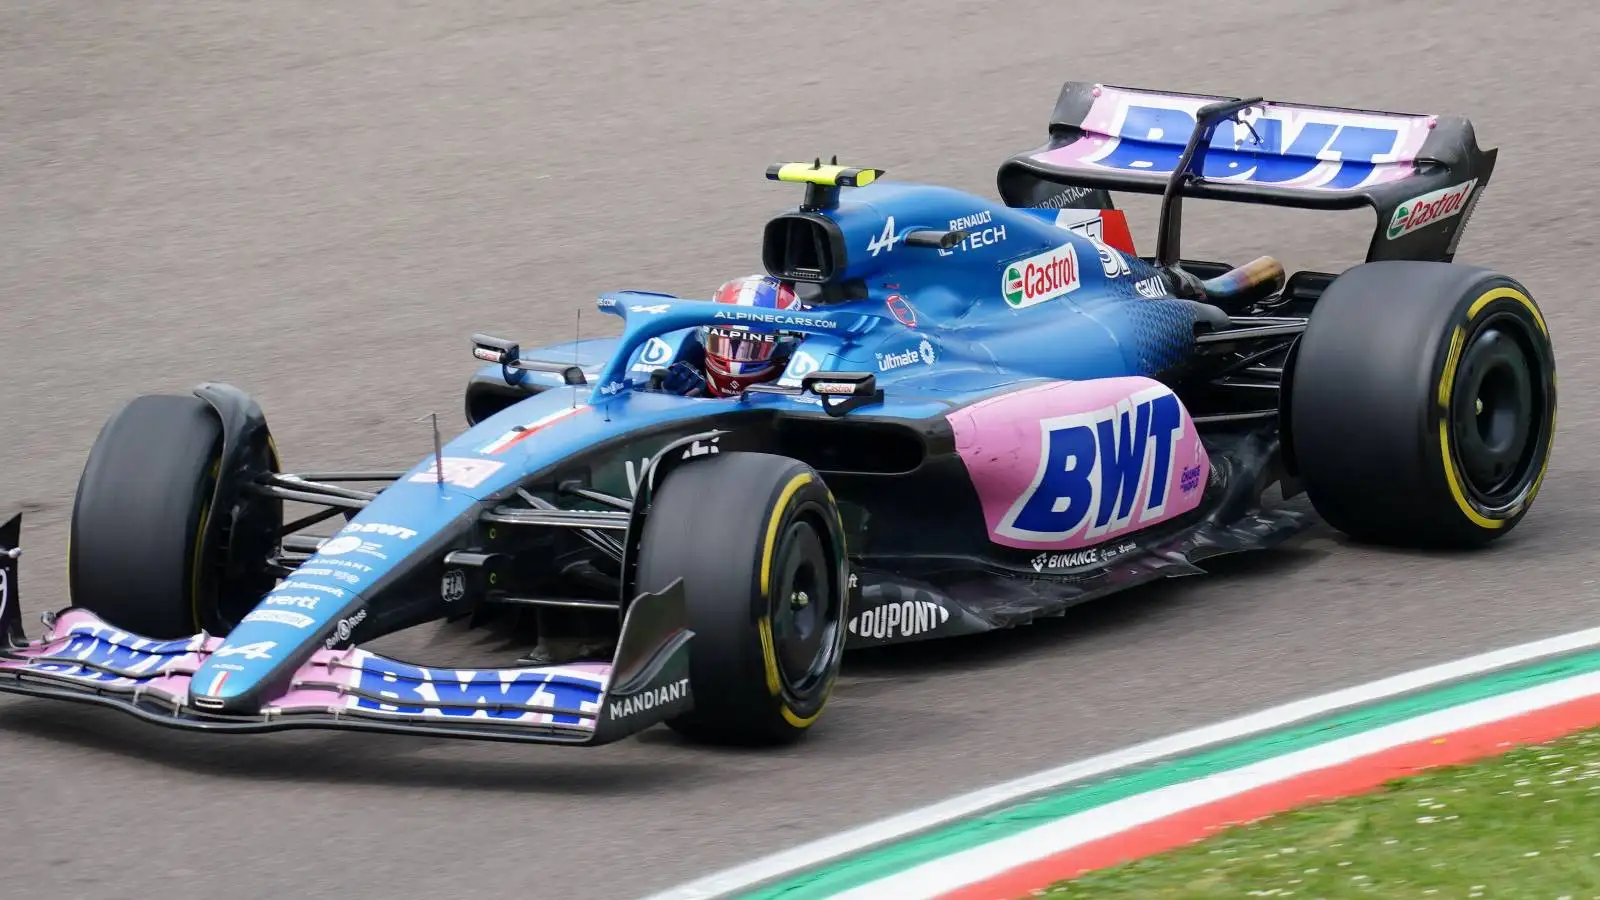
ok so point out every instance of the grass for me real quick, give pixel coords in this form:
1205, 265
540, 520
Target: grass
1526, 824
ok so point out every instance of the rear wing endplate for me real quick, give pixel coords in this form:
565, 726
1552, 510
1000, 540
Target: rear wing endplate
1422, 174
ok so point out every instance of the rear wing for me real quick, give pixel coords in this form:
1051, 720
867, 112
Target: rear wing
1422, 174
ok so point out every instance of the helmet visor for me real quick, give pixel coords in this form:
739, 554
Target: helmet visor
736, 345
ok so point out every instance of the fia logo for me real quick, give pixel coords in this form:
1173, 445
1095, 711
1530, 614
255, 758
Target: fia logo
654, 310
1094, 467
454, 586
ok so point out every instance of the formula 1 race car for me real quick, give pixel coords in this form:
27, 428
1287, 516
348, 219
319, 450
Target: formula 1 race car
996, 410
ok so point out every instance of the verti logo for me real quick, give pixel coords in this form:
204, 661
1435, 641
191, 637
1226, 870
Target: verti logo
1051, 274
1434, 206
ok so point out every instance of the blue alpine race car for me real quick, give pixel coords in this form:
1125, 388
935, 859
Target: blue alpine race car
994, 410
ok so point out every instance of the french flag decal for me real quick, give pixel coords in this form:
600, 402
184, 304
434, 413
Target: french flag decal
515, 435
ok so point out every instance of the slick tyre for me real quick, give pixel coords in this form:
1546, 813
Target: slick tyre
1423, 404
143, 504
764, 572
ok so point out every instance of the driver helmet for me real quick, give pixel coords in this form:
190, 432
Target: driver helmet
740, 354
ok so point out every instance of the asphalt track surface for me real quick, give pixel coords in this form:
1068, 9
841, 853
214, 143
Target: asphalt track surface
319, 202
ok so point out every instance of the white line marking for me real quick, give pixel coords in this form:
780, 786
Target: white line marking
898, 827
940, 876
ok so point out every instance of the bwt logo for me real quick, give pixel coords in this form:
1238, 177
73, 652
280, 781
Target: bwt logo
141, 659
1100, 463
404, 689
1151, 138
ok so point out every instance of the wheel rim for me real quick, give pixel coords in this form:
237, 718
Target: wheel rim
1500, 412
249, 535
805, 609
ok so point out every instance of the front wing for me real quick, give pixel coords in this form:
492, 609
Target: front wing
85, 659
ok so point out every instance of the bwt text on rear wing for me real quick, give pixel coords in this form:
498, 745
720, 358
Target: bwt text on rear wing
1422, 174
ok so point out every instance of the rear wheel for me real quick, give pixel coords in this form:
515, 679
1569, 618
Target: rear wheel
1424, 402
764, 574
142, 510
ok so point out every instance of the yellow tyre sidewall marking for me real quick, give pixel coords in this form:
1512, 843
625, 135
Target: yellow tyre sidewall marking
1508, 293
1447, 385
1447, 378
769, 657
804, 721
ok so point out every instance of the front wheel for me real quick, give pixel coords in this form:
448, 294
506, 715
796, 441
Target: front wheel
759, 544
141, 516
1424, 404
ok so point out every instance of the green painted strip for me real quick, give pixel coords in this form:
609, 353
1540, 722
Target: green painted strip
881, 862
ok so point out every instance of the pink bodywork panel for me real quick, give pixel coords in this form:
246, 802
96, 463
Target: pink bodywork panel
1032, 503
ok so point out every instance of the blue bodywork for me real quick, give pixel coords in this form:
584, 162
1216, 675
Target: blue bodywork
944, 297
962, 327
1104, 328
964, 340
